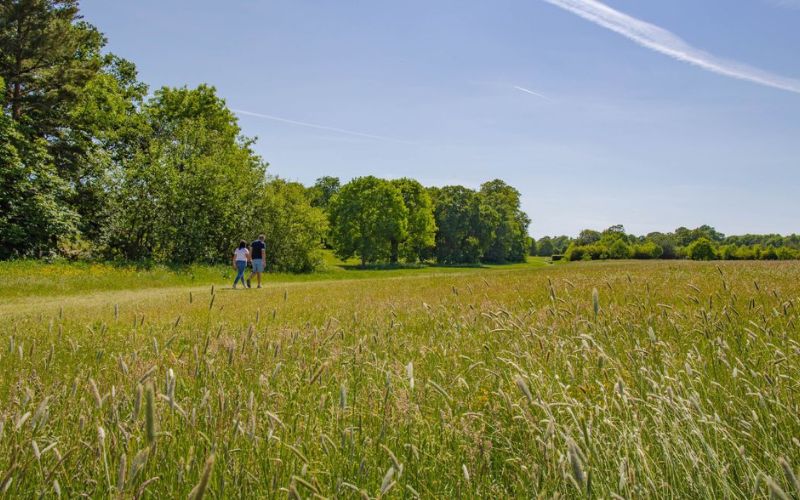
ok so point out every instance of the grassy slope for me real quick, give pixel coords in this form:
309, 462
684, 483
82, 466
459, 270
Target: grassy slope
685, 384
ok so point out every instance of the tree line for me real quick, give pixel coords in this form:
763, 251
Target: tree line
701, 243
95, 165
379, 220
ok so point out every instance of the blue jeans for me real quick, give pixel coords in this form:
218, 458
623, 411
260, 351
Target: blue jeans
241, 265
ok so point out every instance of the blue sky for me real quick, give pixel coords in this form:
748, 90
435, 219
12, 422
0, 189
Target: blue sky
625, 133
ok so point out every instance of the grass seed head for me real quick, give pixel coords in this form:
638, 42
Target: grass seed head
150, 414
199, 491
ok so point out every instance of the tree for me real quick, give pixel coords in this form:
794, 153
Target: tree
368, 219
323, 190
647, 250
545, 245
667, 242
195, 187
33, 211
293, 228
560, 244
421, 224
511, 229
464, 230
701, 249
47, 55
68, 98
587, 237
619, 250
532, 248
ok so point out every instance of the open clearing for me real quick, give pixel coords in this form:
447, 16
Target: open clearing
673, 379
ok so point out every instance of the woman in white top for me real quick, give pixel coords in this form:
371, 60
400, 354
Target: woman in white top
240, 258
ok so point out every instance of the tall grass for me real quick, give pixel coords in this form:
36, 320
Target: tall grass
603, 379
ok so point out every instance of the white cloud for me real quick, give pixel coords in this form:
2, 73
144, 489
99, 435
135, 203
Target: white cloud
663, 41
790, 4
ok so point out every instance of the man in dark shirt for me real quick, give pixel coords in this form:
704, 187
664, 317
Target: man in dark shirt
258, 256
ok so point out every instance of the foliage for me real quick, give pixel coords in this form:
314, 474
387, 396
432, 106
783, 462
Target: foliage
619, 250
293, 228
368, 219
511, 230
701, 249
671, 245
464, 229
194, 191
33, 210
588, 236
420, 241
323, 190
545, 247
647, 250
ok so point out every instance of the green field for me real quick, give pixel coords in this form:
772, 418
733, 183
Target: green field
624, 379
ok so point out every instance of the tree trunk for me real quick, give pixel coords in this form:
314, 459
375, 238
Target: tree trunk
393, 258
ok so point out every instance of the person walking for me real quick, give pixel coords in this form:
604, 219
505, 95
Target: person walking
258, 258
240, 257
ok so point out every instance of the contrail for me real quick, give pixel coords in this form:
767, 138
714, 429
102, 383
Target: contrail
791, 4
658, 39
531, 92
319, 127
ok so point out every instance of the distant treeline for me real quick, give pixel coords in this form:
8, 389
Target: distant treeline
702, 243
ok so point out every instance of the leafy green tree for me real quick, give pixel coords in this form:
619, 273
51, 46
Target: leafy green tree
464, 226
194, 189
293, 228
421, 224
787, 253
532, 247
619, 250
545, 246
511, 229
323, 190
588, 236
768, 253
33, 212
107, 130
686, 236
667, 242
47, 55
647, 250
368, 219
68, 98
560, 244
701, 249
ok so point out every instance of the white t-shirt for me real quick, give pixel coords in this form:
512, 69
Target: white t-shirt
241, 254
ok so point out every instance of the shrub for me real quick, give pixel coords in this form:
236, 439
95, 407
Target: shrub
701, 249
647, 250
786, 253
769, 253
619, 250
745, 253
727, 252
575, 252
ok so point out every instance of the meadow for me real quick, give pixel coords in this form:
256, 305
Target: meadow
599, 379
